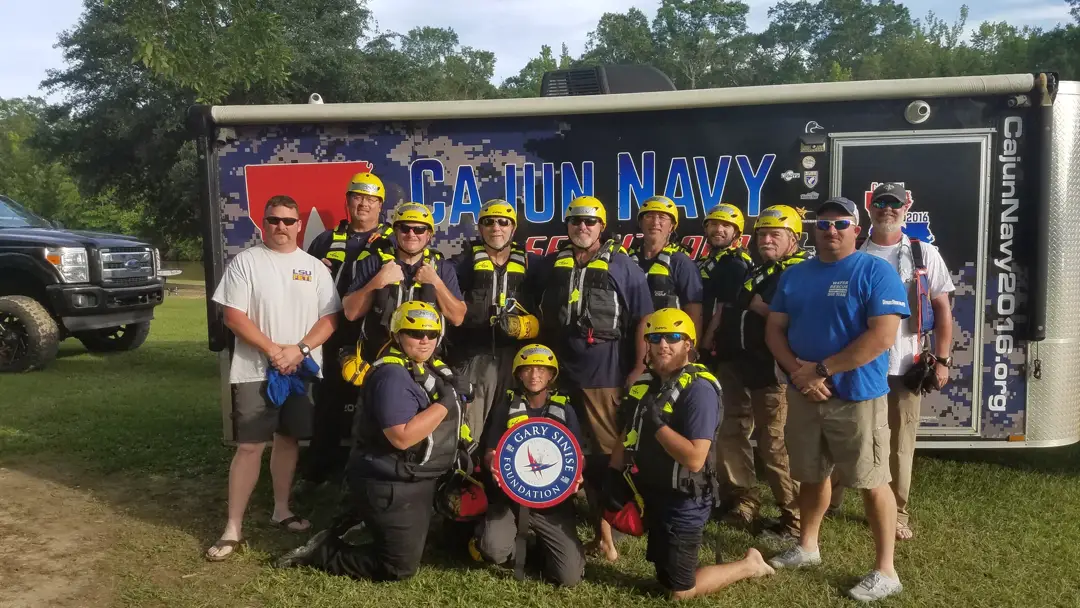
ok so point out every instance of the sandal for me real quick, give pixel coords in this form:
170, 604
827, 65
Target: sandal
232, 545
288, 521
904, 531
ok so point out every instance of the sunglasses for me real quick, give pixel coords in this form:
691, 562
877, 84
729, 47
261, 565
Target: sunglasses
421, 334
491, 221
891, 204
588, 221
274, 220
673, 337
840, 225
403, 229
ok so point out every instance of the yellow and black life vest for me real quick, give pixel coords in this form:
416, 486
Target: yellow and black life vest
386, 300
660, 471
554, 408
583, 301
492, 286
731, 254
339, 245
661, 283
743, 329
758, 276
435, 454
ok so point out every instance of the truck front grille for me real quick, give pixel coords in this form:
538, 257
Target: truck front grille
127, 266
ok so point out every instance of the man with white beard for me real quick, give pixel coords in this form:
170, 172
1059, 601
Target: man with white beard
888, 208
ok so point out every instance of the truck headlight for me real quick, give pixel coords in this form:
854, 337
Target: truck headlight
157, 261
72, 262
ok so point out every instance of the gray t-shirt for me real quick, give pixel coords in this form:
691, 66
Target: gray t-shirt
284, 294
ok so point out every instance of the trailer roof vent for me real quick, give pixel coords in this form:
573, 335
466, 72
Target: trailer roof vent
604, 80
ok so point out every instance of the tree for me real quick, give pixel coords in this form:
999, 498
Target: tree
620, 38
698, 38
25, 174
528, 81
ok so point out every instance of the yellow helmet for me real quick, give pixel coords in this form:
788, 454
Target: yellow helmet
536, 354
587, 206
415, 315
497, 207
725, 212
662, 204
667, 320
780, 216
414, 212
367, 183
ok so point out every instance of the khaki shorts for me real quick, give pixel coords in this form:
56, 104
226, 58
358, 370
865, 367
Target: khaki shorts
852, 436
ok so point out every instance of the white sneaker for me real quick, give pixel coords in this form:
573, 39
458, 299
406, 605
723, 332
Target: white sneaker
875, 586
796, 557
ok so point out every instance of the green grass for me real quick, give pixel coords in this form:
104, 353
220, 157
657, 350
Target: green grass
141, 433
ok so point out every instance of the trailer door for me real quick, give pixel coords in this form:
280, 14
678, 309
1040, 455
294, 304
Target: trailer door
947, 175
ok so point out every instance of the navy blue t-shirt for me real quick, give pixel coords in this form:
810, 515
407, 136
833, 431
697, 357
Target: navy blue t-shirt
685, 275
367, 268
697, 416
603, 364
390, 397
829, 305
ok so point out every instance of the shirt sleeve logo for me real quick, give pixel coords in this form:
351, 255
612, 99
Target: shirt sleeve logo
893, 303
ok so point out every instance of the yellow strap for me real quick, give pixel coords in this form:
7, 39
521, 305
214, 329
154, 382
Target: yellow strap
465, 433
658, 268
567, 262
337, 256
516, 419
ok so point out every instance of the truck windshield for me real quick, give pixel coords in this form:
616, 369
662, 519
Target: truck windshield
14, 215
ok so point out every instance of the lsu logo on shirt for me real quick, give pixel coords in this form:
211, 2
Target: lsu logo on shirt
301, 275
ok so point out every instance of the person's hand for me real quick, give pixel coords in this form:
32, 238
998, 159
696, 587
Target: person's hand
389, 274
288, 359
577, 486
327, 263
426, 274
818, 393
941, 376
806, 376
708, 342
655, 411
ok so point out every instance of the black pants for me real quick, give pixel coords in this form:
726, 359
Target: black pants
397, 515
556, 535
335, 403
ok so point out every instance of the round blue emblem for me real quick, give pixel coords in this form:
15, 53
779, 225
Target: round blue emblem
539, 463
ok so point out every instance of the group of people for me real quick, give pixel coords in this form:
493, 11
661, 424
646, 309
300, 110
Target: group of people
662, 368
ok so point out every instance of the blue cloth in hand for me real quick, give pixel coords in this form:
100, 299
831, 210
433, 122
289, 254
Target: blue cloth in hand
279, 386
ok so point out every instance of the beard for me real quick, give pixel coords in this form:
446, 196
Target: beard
889, 226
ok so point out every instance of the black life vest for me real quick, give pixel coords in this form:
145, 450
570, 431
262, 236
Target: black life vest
583, 301
659, 275
554, 408
435, 454
743, 330
492, 286
387, 299
339, 246
731, 254
660, 470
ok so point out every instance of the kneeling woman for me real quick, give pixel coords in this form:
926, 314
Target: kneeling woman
674, 411
407, 438
535, 368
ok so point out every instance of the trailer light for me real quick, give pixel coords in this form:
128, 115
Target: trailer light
72, 263
1017, 437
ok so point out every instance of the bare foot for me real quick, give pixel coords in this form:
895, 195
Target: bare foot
597, 546
760, 568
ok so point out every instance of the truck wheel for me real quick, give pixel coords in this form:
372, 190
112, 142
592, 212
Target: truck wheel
29, 336
112, 339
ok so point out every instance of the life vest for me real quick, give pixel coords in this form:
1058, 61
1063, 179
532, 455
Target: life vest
660, 470
758, 276
583, 301
555, 408
659, 276
745, 329
736, 254
435, 454
921, 321
386, 300
339, 244
492, 286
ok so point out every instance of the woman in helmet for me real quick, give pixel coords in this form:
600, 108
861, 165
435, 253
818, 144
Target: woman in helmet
406, 436
535, 369
673, 411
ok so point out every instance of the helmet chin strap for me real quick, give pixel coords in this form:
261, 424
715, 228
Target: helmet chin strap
509, 241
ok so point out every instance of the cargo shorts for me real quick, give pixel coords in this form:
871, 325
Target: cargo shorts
850, 436
256, 419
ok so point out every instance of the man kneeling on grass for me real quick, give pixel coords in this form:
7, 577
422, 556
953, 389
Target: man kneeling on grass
666, 448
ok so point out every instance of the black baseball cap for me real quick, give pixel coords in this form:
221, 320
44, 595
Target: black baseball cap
840, 203
893, 190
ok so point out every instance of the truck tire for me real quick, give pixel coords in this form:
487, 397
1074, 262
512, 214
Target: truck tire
114, 339
29, 337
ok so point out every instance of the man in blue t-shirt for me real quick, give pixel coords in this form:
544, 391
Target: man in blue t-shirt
830, 327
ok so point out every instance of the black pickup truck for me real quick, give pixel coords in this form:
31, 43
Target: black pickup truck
57, 283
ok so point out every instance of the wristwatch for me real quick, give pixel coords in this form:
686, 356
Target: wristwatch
821, 370
946, 361
304, 348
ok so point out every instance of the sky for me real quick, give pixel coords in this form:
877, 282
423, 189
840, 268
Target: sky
513, 29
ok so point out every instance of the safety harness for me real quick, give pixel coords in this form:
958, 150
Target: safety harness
339, 244
583, 300
663, 470
707, 265
921, 324
439, 451
388, 299
659, 276
495, 289
554, 408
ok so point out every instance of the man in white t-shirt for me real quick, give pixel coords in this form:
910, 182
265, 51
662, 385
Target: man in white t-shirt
889, 205
281, 304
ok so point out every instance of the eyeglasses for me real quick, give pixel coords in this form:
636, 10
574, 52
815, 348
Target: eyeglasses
491, 221
891, 204
588, 221
274, 220
403, 229
840, 225
673, 337
421, 334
